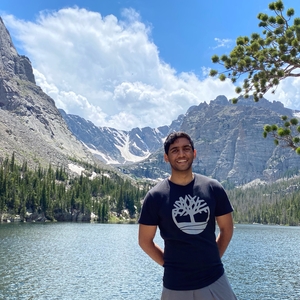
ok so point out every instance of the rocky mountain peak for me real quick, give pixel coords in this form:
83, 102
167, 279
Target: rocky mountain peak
229, 143
30, 124
10, 61
221, 100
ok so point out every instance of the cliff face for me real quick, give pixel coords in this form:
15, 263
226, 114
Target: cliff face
118, 147
229, 143
30, 124
11, 62
228, 139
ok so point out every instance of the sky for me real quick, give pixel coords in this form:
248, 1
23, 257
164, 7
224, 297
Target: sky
134, 63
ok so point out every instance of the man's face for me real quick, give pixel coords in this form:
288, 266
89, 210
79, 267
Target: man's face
180, 155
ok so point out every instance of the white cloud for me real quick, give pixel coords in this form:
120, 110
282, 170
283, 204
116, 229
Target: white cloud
223, 43
108, 70
287, 92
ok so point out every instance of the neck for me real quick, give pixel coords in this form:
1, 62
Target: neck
181, 178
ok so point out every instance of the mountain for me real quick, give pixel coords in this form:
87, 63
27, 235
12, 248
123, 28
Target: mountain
30, 124
228, 139
119, 147
229, 143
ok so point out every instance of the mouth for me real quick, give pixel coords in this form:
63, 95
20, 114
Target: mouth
182, 161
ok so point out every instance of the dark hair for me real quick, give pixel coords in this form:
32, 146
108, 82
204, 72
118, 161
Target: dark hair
173, 136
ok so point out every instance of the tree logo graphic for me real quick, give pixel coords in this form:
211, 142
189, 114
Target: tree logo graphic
191, 214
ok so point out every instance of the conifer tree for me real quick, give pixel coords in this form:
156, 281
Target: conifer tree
264, 61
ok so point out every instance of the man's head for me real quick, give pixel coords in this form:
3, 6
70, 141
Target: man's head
179, 153
172, 137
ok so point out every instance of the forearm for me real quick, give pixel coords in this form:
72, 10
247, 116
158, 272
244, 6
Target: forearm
146, 242
223, 241
225, 224
154, 251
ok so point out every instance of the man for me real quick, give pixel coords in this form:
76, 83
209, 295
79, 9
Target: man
186, 207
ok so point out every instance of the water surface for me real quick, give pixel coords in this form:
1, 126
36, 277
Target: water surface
103, 261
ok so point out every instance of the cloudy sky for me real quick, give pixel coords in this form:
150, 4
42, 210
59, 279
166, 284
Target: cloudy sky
134, 63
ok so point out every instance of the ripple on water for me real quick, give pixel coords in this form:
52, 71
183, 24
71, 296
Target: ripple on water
97, 261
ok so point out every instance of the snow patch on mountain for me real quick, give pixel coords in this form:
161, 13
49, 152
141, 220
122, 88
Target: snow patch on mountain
119, 147
102, 156
76, 169
127, 155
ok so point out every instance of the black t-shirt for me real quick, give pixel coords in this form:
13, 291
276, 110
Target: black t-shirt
185, 216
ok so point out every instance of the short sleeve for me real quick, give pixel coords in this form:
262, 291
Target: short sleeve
223, 205
149, 212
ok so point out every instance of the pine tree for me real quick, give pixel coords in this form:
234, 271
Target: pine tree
265, 61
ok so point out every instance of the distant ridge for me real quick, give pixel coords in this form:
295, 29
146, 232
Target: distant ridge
228, 139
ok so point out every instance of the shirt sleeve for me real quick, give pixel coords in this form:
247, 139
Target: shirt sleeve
149, 212
223, 205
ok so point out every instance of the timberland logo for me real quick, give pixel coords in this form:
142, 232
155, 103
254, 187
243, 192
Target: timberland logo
191, 214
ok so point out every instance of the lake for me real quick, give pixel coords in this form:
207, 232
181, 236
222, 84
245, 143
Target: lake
103, 261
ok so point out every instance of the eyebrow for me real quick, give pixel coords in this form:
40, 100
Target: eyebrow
184, 146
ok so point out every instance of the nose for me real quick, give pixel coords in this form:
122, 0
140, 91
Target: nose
180, 152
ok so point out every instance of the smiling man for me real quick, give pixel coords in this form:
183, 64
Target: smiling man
185, 207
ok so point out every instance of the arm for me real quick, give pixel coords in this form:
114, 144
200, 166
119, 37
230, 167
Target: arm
225, 223
146, 236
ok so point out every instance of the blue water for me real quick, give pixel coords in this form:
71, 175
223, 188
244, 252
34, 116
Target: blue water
103, 261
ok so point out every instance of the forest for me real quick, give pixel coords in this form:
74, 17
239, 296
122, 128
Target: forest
115, 198
276, 203
53, 193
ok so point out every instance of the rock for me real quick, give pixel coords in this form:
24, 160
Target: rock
229, 143
30, 124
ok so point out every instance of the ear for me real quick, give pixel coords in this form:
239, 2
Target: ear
166, 158
195, 153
